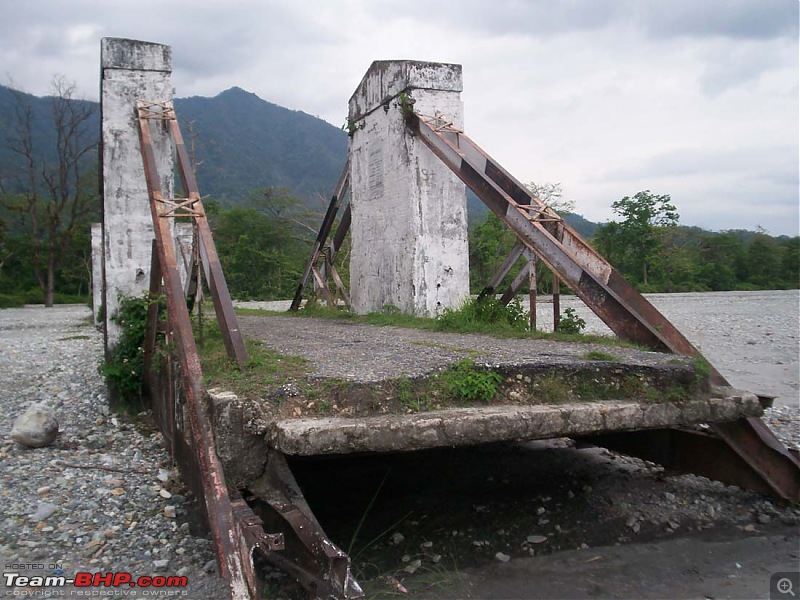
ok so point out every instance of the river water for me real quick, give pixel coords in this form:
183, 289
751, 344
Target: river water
752, 338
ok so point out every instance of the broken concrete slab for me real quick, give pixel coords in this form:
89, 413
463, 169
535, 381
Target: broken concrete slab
470, 426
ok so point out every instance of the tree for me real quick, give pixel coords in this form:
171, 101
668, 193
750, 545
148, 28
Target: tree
635, 240
50, 192
552, 195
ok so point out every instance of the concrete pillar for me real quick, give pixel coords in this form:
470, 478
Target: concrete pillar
409, 227
183, 234
97, 271
130, 70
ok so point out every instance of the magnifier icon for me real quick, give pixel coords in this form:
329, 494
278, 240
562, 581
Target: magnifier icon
785, 586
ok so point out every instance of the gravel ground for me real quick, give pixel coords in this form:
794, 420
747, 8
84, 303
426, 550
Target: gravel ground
104, 496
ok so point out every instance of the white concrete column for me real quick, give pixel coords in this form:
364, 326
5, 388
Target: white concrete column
130, 70
97, 270
409, 227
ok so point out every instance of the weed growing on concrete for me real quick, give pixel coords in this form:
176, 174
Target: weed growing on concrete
551, 388
702, 368
267, 369
597, 355
469, 381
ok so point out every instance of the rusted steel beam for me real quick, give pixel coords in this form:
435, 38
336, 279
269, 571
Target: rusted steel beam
251, 537
602, 289
223, 305
756, 445
556, 301
532, 283
512, 289
323, 287
322, 235
310, 556
218, 504
341, 232
686, 451
152, 310
579, 265
508, 263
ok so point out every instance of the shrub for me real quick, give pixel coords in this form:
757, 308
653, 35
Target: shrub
570, 322
483, 310
123, 368
9, 301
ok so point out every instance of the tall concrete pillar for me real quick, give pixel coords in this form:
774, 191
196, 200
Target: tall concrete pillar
97, 271
409, 227
130, 70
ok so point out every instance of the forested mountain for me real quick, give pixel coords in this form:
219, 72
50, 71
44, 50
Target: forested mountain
241, 142
267, 172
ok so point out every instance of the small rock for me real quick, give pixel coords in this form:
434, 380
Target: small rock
764, 518
397, 538
584, 546
536, 539
210, 567
45, 489
43, 511
164, 493
426, 545
413, 566
183, 571
161, 564
118, 491
541, 510
37, 427
163, 475
670, 497
502, 557
169, 511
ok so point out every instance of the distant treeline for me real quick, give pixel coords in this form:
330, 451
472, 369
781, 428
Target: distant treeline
264, 243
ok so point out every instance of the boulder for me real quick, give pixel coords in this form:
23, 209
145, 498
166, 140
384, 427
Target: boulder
36, 427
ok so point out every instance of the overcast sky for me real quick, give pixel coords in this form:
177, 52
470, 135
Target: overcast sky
693, 98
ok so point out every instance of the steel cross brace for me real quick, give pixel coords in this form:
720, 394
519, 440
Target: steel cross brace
191, 206
319, 248
626, 312
236, 533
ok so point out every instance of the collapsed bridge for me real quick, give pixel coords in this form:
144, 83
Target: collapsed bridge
409, 163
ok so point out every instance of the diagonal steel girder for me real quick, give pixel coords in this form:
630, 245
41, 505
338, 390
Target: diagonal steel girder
626, 312
322, 236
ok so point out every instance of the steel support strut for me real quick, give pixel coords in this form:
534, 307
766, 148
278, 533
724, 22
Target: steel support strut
319, 247
626, 312
310, 557
235, 535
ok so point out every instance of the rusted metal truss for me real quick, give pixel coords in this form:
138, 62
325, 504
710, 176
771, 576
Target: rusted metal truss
320, 264
189, 206
236, 533
626, 312
310, 557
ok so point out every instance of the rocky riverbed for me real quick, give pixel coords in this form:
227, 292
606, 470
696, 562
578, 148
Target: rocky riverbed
105, 496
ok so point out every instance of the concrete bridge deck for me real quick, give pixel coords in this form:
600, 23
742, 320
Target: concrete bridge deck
380, 391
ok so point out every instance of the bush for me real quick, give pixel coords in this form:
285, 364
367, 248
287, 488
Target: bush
9, 301
123, 369
481, 311
570, 322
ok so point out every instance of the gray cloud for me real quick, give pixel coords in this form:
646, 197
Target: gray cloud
697, 99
